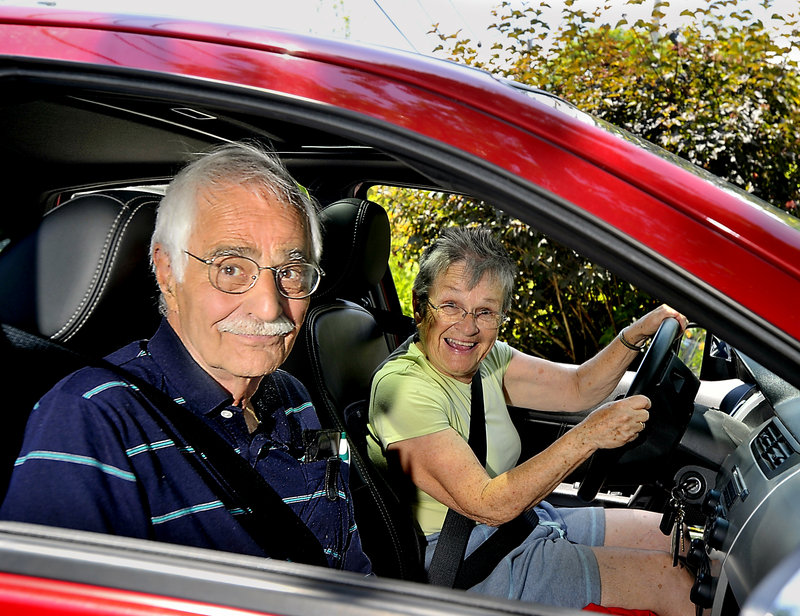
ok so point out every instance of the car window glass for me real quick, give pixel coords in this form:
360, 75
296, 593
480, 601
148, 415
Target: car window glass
691, 348
564, 306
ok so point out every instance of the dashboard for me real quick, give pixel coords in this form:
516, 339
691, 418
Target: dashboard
749, 527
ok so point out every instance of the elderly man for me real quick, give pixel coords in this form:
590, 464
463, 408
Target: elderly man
234, 252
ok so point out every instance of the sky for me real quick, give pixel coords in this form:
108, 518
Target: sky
402, 24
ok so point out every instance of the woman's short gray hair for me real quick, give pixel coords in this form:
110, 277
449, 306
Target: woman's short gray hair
239, 164
479, 250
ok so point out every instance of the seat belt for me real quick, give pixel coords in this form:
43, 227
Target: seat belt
268, 520
448, 566
266, 517
448, 555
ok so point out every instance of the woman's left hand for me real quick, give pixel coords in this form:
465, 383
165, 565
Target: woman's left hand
638, 332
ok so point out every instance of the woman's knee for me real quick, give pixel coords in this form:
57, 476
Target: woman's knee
635, 529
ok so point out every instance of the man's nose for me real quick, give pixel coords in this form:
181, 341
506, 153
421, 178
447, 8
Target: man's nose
263, 299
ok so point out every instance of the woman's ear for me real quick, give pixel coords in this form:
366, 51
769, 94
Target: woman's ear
415, 306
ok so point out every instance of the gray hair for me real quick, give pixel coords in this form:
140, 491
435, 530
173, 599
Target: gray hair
241, 164
481, 254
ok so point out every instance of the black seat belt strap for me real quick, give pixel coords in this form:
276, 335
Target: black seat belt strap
482, 561
448, 566
266, 517
452, 544
270, 522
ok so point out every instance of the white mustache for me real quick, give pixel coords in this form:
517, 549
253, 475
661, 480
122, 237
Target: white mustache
281, 326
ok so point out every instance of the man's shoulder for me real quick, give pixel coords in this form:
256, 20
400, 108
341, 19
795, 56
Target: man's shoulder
286, 386
107, 375
128, 355
93, 404
289, 382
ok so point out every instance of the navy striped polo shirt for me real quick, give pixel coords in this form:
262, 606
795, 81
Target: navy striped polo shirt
93, 458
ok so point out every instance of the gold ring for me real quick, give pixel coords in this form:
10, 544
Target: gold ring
642, 424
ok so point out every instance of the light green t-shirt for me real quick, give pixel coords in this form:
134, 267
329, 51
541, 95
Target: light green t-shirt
410, 398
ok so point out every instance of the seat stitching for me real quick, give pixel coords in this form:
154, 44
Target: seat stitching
369, 481
360, 216
98, 293
98, 267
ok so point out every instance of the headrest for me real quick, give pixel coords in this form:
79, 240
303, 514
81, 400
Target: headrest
356, 245
82, 278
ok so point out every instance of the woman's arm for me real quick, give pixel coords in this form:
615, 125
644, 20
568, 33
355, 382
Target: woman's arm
443, 464
531, 382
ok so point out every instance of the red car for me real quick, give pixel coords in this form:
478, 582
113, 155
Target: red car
111, 106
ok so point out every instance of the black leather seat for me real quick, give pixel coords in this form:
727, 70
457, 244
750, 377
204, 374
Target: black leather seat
82, 277
344, 339
78, 286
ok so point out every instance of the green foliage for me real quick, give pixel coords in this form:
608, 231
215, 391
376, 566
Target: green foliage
722, 91
564, 308
404, 270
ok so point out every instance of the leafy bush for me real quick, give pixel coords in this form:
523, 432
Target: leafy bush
719, 92
722, 91
564, 307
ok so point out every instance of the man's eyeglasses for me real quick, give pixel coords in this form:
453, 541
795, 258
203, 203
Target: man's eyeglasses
235, 274
453, 313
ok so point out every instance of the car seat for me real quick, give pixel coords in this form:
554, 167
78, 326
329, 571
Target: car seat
77, 286
345, 337
82, 277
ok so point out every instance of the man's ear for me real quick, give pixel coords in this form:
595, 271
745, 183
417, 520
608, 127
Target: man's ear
164, 276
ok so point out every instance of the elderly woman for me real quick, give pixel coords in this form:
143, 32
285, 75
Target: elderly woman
420, 416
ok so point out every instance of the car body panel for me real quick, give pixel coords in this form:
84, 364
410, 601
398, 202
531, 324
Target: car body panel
673, 230
29, 595
60, 572
641, 195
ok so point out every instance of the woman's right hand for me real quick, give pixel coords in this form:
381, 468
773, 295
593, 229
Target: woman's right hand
616, 423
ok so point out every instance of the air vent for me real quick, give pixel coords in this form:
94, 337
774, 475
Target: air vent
773, 451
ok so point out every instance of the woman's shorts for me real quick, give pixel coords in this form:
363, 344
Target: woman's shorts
554, 565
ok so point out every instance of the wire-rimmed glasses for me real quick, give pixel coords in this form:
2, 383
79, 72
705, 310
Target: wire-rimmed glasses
237, 274
449, 312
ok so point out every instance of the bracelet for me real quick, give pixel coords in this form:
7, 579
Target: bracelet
630, 345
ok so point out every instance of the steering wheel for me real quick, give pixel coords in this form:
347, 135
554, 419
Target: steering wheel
646, 378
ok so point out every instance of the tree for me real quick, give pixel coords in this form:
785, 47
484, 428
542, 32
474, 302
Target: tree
721, 92
564, 307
